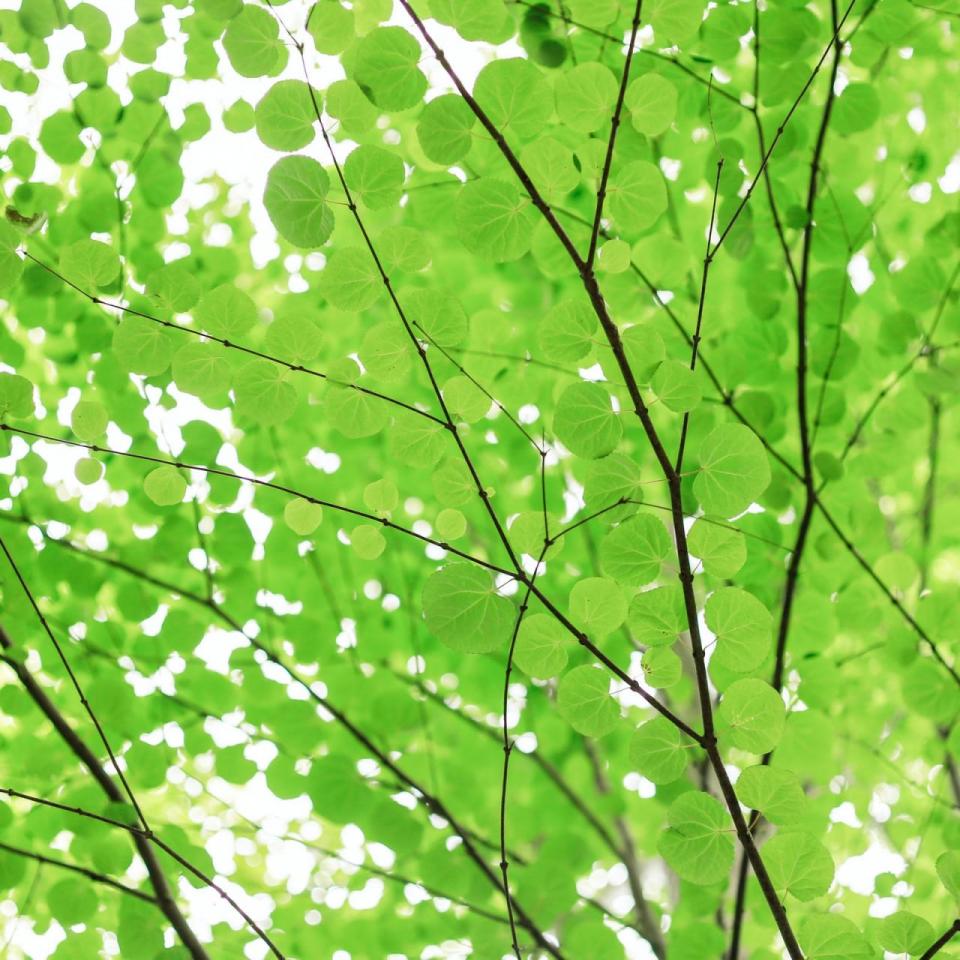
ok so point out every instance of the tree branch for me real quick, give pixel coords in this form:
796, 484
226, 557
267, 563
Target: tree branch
701, 303
942, 940
75, 868
142, 838
230, 345
612, 139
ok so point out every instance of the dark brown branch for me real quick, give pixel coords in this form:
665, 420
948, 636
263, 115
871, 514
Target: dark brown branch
928, 505
701, 303
762, 144
574, 631
136, 832
75, 683
536, 757
507, 750
231, 345
922, 351
612, 139
834, 40
76, 868
942, 940
612, 333
142, 837
214, 471
893, 599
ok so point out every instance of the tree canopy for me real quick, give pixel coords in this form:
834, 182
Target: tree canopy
479, 478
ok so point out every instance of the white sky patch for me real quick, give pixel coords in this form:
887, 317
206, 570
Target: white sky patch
860, 873
860, 274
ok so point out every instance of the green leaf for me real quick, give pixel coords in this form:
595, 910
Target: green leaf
385, 66
441, 317
239, 117
72, 902
402, 248
165, 486
226, 312
463, 609
585, 421
657, 617
585, 96
905, 932
142, 346
367, 541
694, 941
387, 352
777, 794
296, 339
637, 196
829, 936
514, 95
674, 20
16, 396
734, 470
89, 419
722, 550
11, 263
743, 627
286, 114
584, 701
331, 26
252, 42
597, 605
351, 279
474, 19
856, 109
660, 751
948, 869
90, 264
353, 413
676, 386
92, 23
174, 286
645, 350
698, 843
295, 197
381, 496
451, 524
798, 864
652, 102
375, 175
159, 178
552, 168
445, 129
494, 220
464, 399
541, 649
613, 479
661, 667
88, 471
202, 369
752, 716
567, 331
633, 552
347, 103
264, 392
60, 138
